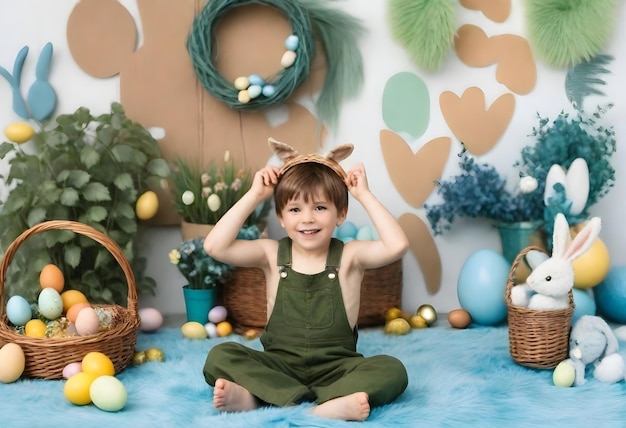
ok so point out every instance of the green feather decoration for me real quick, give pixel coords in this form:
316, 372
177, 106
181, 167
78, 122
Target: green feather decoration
580, 81
339, 33
425, 28
567, 32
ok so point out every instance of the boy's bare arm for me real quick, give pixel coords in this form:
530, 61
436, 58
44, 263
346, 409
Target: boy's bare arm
392, 243
222, 243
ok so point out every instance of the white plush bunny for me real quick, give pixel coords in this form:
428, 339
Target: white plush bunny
548, 284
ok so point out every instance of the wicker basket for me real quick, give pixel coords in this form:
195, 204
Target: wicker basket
46, 357
244, 296
537, 338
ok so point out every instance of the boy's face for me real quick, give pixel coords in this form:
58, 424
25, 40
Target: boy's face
311, 222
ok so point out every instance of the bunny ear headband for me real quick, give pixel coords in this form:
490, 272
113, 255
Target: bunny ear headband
291, 157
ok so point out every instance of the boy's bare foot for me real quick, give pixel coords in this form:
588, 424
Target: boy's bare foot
353, 407
230, 397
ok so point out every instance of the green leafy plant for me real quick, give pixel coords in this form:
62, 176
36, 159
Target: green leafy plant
87, 169
204, 194
199, 269
480, 191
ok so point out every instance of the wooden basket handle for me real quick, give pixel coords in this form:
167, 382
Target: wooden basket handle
81, 229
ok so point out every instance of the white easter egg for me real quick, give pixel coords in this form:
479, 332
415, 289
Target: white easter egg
211, 330
214, 202
254, 91
288, 58
188, 197
50, 303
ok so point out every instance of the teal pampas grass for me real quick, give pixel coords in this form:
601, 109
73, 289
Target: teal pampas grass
339, 33
567, 32
425, 28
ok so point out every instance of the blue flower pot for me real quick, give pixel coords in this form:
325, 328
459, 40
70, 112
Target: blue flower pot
198, 303
516, 236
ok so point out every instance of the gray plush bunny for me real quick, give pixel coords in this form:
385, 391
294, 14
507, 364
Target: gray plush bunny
593, 342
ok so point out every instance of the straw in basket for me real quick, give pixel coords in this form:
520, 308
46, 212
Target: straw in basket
244, 296
537, 338
46, 357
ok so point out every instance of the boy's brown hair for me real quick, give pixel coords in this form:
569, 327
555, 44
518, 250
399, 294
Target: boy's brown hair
305, 180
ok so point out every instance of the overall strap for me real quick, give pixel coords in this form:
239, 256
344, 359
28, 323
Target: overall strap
284, 252
333, 261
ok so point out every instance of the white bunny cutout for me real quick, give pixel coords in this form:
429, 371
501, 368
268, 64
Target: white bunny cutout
548, 285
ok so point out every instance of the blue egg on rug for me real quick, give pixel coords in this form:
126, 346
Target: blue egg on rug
481, 286
584, 302
610, 295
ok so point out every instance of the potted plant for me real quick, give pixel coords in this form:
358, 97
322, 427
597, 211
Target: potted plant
480, 191
204, 275
87, 169
202, 195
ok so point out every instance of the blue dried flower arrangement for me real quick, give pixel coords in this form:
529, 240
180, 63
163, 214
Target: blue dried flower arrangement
480, 191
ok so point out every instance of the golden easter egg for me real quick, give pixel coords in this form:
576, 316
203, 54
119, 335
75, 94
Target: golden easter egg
147, 205
19, 132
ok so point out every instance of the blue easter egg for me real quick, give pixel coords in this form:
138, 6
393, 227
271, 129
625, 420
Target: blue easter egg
481, 286
584, 303
255, 79
610, 295
268, 90
292, 42
347, 230
367, 233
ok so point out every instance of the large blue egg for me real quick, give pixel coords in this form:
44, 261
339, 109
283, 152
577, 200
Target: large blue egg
347, 230
583, 302
481, 286
610, 295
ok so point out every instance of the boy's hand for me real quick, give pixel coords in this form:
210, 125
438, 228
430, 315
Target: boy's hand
357, 181
264, 181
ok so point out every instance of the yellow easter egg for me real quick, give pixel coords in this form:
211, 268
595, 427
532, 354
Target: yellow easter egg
12, 362
147, 205
224, 329
193, 330
97, 364
35, 328
19, 132
70, 298
592, 267
76, 388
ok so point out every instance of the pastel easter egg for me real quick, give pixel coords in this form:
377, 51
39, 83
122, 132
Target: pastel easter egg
288, 58
268, 90
12, 362
254, 91
241, 83
18, 310
243, 97
50, 303
292, 42
255, 79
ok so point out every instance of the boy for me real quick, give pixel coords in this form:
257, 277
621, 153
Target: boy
313, 286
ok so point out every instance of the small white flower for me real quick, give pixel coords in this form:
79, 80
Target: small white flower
226, 156
528, 184
188, 197
214, 202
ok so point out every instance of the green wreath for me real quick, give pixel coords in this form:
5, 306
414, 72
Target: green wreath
338, 34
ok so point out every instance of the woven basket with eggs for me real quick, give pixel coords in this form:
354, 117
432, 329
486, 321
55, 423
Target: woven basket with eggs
47, 357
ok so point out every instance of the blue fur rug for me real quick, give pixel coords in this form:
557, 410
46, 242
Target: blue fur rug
456, 378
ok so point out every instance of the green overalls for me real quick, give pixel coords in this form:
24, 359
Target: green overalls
310, 349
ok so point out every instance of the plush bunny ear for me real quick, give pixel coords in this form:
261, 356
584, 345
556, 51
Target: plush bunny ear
340, 152
583, 241
561, 237
284, 151
577, 189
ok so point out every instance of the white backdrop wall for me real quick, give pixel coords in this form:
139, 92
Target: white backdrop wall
33, 23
